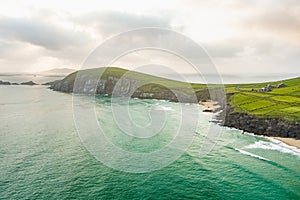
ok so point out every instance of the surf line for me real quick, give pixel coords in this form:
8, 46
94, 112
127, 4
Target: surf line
251, 154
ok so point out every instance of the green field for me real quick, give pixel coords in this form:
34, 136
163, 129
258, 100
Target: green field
278, 103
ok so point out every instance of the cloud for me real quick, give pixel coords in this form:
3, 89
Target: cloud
24, 40
259, 28
281, 22
39, 32
113, 22
228, 48
250, 35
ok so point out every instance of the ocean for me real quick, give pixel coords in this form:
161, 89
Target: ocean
204, 78
48, 151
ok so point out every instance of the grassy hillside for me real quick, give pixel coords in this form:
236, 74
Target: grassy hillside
119, 72
279, 103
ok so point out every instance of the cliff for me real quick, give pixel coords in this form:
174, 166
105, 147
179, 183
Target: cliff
271, 108
121, 82
274, 113
268, 126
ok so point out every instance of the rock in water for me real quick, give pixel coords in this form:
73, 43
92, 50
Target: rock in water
4, 83
28, 83
207, 110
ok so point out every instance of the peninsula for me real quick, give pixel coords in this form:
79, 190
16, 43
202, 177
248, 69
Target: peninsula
270, 109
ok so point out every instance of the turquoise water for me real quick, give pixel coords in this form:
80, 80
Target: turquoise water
42, 156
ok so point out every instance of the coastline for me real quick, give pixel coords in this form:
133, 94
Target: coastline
209, 105
272, 127
214, 103
289, 141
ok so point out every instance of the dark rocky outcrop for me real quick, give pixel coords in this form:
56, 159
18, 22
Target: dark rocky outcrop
208, 110
7, 83
28, 83
260, 126
4, 83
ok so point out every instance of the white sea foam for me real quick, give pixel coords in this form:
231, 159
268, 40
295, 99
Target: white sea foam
251, 154
275, 145
159, 107
252, 134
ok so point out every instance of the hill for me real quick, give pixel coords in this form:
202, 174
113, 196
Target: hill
279, 102
271, 108
131, 83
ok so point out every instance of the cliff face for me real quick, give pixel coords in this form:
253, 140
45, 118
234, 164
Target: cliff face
115, 82
135, 85
262, 126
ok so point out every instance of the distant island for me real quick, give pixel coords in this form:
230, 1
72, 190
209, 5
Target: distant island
23, 83
56, 72
6, 83
271, 108
28, 83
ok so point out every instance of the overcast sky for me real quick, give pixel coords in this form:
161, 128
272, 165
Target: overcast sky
241, 36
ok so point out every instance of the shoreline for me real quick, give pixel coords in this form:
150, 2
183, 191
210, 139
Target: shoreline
209, 105
271, 127
289, 141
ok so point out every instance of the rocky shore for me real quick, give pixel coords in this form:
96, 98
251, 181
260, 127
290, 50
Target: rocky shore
274, 127
242, 121
117, 85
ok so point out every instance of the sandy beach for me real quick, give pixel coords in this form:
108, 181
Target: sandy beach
209, 104
289, 141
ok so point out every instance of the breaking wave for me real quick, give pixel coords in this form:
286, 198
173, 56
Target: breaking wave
275, 145
251, 154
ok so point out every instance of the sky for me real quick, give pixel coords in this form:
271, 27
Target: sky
240, 36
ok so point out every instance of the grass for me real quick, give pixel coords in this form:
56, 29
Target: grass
153, 81
279, 103
289, 99
269, 109
257, 104
240, 99
288, 90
